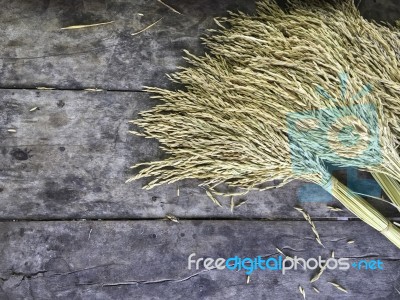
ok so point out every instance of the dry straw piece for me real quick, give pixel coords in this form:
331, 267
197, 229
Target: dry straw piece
302, 291
313, 227
339, 287
86, 26
390, 186
229, 125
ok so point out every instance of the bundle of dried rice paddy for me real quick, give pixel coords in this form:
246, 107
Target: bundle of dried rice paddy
232, 125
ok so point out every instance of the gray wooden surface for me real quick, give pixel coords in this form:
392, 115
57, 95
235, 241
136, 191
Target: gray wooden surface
37, 52
69, 160
149, 260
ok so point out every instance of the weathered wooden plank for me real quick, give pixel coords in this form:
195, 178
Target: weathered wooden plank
149, 260
36, 52
71, 157
380, 10
39, 53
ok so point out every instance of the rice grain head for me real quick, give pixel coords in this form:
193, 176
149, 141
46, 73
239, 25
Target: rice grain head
229, 127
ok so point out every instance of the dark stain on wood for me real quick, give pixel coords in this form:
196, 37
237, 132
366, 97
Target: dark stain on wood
55, 194
20, 154
60, 103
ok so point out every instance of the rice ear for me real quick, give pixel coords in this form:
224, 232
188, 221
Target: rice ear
229, 125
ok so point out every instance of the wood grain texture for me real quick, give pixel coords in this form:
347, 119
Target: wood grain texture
36, 52
39, 53
149, 259
70, 158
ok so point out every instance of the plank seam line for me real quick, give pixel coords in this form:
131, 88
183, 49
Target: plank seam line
84, 89
14, 220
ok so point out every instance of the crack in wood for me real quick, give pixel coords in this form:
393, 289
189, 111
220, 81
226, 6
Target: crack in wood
136, 282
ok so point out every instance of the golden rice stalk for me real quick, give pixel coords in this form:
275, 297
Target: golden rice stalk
333, 208
383, 43
86, 26
302, 291
359, 49
390, 186
170, 7
44, 88
229, 125
240, 203
319, 274
288, 66
366, 212
213, 199
147, 27
172, 218
313, 227
339, 287
346, 38
93, 90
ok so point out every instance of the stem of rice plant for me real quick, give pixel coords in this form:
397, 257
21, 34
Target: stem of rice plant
390, 186
393, 166
363, 210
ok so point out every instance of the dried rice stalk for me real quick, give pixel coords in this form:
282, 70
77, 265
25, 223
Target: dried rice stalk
278, 68
333, 208
44, 88
229, 125
172, 218
319, 274
308, 219
86, 26
302, 291
170, 7
213, 199
362, 45
339, 287
390, 186
240, 203
147, 27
